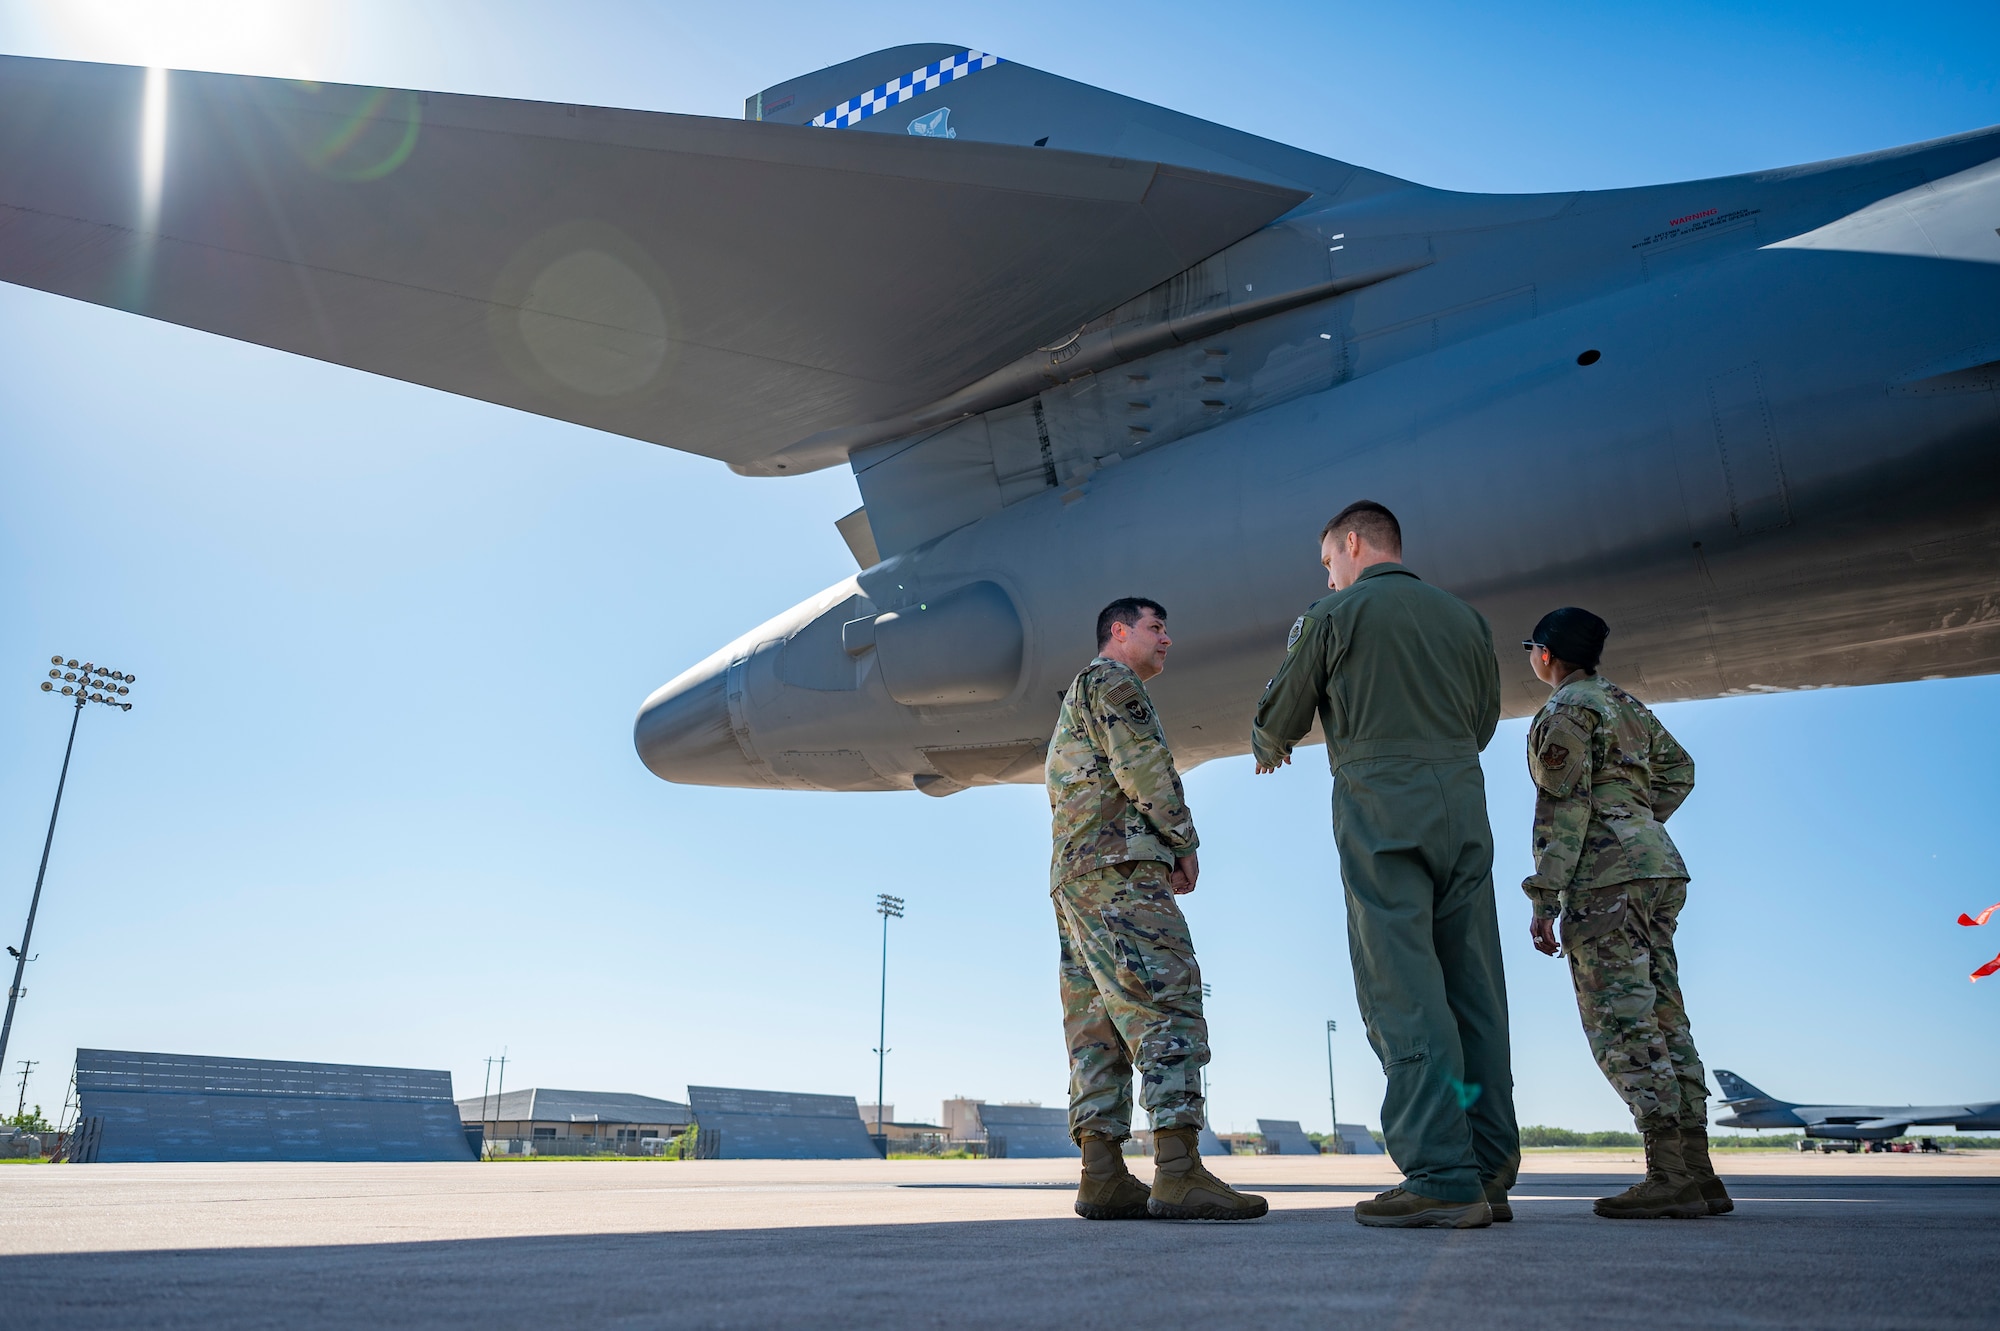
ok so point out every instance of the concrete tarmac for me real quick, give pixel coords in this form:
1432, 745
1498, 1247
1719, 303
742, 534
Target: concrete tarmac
1816, 1242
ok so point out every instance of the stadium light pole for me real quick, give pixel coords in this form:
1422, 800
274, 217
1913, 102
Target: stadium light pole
85, 683
889, 908
1331, 1107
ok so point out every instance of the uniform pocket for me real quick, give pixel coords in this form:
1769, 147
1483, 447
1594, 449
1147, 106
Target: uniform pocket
1596, 915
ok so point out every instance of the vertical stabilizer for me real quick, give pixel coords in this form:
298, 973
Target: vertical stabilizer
1734, 1088
937, 90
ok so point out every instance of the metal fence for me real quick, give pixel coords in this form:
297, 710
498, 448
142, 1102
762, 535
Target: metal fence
644, 1146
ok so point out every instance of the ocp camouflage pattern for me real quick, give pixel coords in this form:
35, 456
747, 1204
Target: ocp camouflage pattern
1607, 777
1620, 942
1113, 791
1131, 996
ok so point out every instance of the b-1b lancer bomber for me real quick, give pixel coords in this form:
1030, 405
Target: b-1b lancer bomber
1075, 346
1750, 1108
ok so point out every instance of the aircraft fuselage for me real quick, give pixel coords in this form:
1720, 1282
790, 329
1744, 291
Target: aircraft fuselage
1751, 422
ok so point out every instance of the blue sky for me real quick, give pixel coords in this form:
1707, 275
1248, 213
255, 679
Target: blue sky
378, 802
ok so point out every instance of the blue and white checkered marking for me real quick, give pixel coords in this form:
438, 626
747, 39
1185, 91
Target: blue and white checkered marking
897, 91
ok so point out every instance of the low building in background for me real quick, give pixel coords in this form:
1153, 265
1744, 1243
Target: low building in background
959, 1118
905, 1138
544, 1121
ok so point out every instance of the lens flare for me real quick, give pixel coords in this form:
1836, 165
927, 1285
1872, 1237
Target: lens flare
355, 135
152, 148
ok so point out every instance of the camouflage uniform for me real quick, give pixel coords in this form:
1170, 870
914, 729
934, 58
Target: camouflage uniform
1131, 991
1607, 777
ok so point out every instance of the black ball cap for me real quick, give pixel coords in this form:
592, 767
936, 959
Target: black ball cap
1573, 635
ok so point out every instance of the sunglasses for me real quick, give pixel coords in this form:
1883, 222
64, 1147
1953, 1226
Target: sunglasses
1528, 646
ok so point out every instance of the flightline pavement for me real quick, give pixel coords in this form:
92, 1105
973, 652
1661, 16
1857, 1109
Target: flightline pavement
1816, 1242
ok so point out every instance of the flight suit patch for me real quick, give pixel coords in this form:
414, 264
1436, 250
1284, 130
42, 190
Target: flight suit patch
1292, 638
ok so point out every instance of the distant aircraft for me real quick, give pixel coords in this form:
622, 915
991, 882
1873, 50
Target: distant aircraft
1074, 346
1751, 1108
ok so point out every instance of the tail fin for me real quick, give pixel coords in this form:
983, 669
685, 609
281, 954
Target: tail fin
940, 91
1735, 1088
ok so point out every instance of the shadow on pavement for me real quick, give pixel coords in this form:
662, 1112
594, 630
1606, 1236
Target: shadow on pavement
1919, 1258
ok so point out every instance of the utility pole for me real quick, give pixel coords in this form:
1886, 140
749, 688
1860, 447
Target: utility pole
1331, 1107
21, 1107
500, 1095
486, 1106
85, 683
889, 908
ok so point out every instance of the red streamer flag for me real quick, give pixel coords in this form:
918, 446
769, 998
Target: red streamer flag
1984, 916
1987, 969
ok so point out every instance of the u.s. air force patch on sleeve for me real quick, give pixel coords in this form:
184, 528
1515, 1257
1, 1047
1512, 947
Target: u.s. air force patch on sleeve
1554, 756
1127, 698
1292, 638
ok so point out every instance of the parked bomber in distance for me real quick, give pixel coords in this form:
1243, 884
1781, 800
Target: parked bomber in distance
1750, 1108
1075, 346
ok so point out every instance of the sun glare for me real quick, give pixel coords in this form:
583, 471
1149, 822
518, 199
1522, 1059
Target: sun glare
285, 38
152, 148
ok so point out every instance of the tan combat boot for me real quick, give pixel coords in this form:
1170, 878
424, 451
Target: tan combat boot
1668, 1192
1108, 1190
1184, 1190
1399, 1208
1694, 1150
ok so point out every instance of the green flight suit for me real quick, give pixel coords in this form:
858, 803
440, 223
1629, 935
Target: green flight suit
1404, 683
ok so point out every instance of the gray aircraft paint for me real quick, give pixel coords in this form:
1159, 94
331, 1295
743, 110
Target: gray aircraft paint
1776, 473
1750, 1108
1750, 421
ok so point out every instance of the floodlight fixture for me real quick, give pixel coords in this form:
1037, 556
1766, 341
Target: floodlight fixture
87, 682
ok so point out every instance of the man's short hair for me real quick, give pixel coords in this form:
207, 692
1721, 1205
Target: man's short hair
1369, 520
1126, 610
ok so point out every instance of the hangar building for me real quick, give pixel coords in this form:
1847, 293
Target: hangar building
553, 1121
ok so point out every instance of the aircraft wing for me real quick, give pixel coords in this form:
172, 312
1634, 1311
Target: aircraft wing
722, 287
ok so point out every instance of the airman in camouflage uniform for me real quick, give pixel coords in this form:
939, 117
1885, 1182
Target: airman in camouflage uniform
1607, 777
1131, 991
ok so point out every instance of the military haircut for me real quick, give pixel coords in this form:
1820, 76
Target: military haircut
1371, 521
1126, 610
